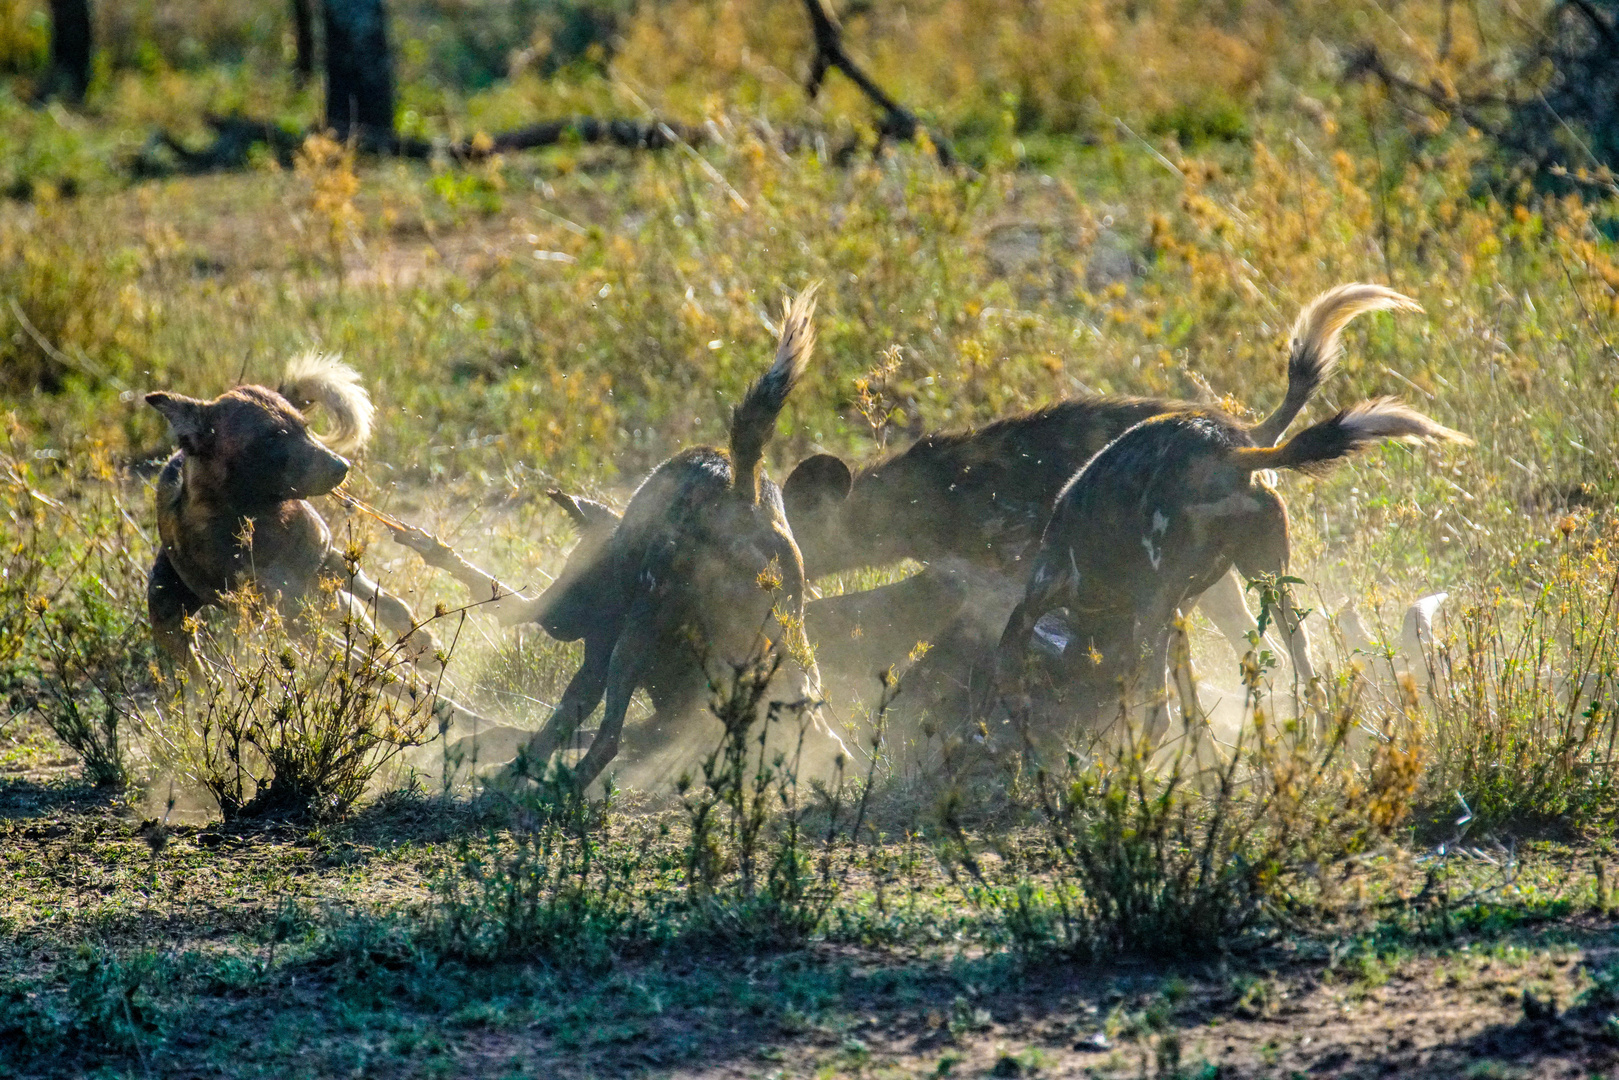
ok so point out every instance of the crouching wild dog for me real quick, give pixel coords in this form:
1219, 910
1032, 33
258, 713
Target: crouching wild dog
569, 609
985, 495
689, 577
1169, 507
232, 509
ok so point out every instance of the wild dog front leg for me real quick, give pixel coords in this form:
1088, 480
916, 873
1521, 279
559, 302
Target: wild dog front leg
362, 596
1051, 585
1011, 657
625, 671
169, 603
1155, 682
790, 616
1223, 603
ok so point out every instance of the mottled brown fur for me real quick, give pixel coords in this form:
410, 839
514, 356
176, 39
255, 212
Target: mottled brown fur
232, 516
985, 495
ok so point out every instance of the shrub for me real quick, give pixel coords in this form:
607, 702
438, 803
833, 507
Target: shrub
294, 724
86, 692
1523, 724
25, 552
749, 873
88, 654
1183, 852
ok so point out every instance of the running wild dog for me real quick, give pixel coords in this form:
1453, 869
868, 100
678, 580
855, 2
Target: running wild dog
690, 576
232, 509
1169, 507
985, 495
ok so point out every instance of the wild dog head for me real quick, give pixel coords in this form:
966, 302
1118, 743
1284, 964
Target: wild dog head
580, 601
249, 449
815, 496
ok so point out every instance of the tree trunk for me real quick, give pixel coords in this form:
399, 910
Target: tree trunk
303, 36
359, 71
69, 76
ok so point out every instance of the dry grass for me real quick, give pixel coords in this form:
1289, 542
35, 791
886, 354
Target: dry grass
1155, 190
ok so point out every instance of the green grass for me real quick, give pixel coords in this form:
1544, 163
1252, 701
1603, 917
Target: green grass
573, 316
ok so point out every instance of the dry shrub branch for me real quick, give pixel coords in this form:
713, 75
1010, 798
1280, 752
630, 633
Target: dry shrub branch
286, 722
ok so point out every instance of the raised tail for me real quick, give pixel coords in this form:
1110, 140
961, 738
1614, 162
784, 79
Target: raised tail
754, 421
1320, 445
1317, 341
314, 378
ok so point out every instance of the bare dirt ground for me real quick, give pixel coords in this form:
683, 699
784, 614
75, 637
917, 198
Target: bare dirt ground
1507, 993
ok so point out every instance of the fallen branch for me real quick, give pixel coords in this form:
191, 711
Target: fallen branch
237, 136
234, 139
898, 121
629, 134
497, 598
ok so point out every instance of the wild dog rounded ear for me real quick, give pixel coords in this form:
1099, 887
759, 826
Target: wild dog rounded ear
187, 417
817, 479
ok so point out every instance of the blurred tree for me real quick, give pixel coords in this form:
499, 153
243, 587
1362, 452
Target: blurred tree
1553, 110
303, 36
359, 72
1573, 119
69, 74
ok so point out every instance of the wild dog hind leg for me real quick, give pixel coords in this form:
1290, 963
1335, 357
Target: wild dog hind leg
1267, 552
579, 700
630, 660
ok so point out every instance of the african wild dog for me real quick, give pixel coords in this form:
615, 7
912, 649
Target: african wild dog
1167, 508
232, 509
689, 577
986, 494
569, 609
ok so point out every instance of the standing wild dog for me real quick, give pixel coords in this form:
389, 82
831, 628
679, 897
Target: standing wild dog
985, 495
232, 509
690, 575
1166, 509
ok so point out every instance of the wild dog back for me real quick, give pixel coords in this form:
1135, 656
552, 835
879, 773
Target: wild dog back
982, 495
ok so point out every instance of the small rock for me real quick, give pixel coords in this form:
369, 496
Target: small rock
1098, 1041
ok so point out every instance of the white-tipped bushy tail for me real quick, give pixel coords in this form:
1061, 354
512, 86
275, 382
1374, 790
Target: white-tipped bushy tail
754, 420
1390, 418
1355, 428
314, 378
1317, 342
